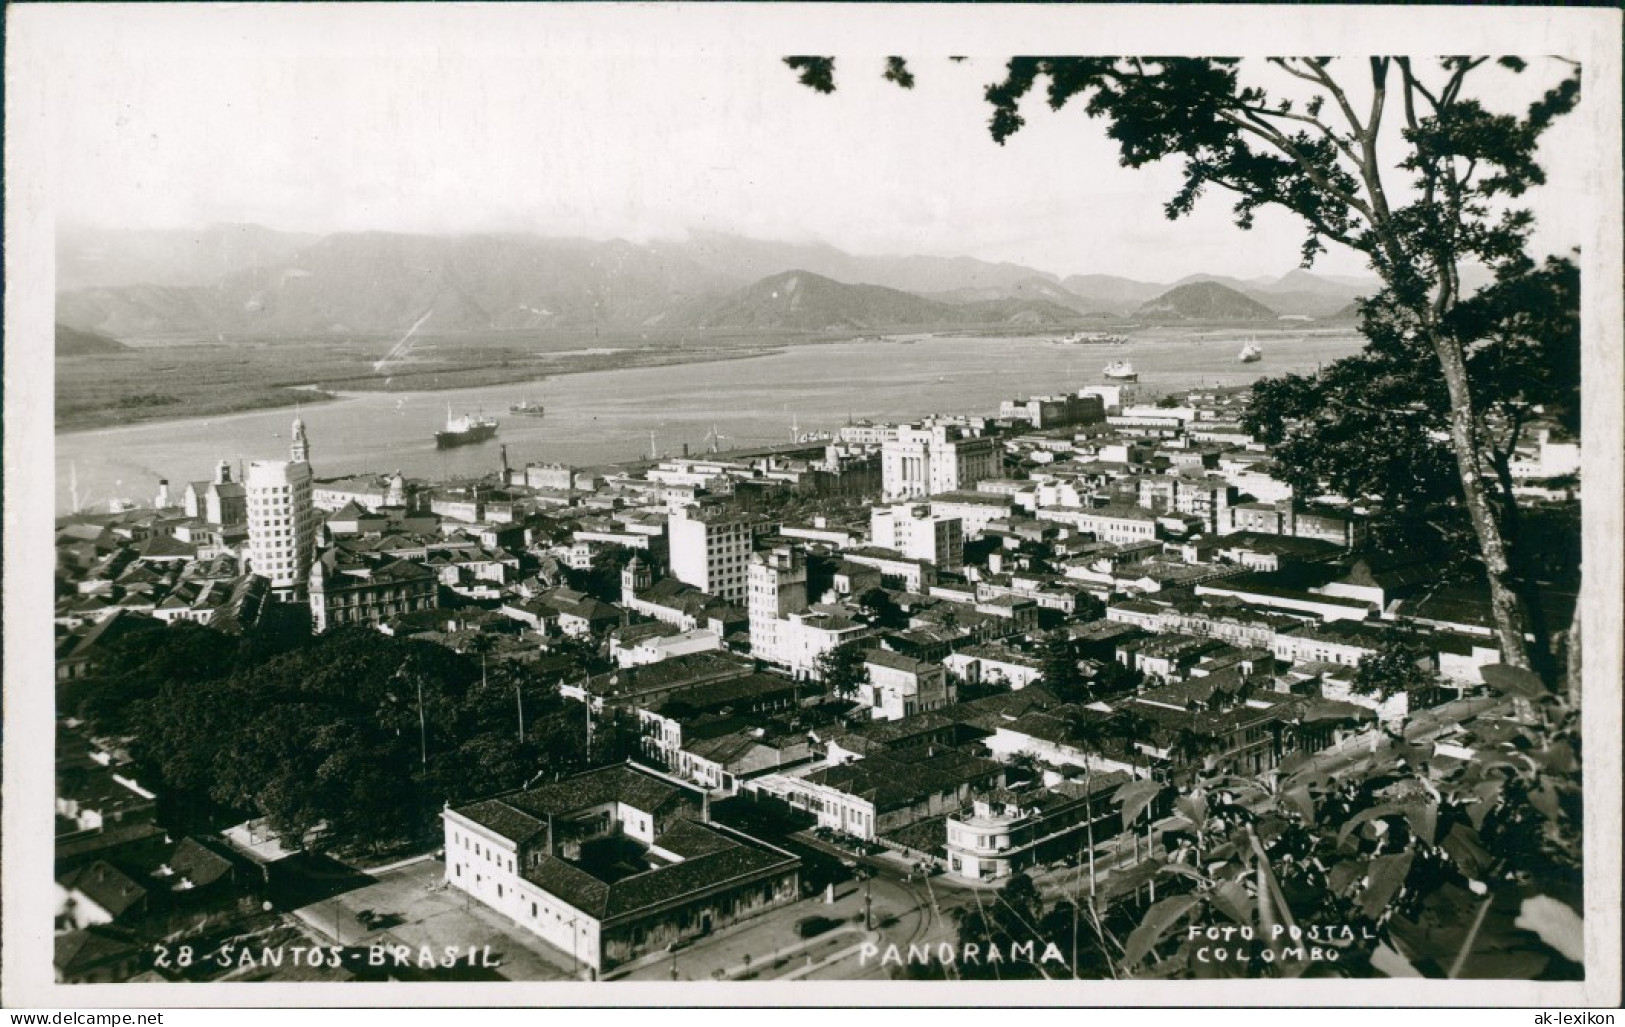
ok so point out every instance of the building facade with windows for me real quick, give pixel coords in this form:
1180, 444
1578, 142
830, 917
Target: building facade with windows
612, 865
281, 518
925, 459
710, 549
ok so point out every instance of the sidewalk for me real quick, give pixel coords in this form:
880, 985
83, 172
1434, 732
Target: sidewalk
770, 946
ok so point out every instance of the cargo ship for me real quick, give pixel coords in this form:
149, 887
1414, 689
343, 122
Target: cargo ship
465, 430
528, 408
1122, 371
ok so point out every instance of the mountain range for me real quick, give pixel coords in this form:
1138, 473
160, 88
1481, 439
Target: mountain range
247, 280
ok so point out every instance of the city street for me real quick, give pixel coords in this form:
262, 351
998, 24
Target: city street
414, 908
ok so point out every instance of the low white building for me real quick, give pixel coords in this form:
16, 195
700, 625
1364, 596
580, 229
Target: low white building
554, 861
901, 686
655, 648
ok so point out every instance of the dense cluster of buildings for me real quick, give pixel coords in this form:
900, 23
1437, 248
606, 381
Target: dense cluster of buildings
1193, 610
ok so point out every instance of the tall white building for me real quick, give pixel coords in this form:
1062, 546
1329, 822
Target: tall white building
784, 630
917, 532
778, 588
710, 549
926, 459
281, 519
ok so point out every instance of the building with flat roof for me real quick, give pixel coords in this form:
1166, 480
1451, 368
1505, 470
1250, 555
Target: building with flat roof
918, 531
1010, 832
710, 549
924, 459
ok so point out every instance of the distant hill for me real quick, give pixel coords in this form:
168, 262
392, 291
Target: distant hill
753, 259
384, 282
1027, 289
1208, 301
1111, 293
246, 280
93, 257
70, 342
803, 301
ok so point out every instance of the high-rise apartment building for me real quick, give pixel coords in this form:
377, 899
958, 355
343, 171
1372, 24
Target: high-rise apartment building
778, 588
917, 532
281, 519
710, 549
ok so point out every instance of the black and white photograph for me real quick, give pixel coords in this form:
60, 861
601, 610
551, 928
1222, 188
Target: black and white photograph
931, 505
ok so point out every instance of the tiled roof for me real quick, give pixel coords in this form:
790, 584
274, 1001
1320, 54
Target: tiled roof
497, 815
78, 951
899, 778
198, 863
733, 691
623, 784
897, 661
105, 885
710, 857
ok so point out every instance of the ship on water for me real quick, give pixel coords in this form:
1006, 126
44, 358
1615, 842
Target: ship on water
1250, 353
527, 408
1094, 339
1122, 371
465, 430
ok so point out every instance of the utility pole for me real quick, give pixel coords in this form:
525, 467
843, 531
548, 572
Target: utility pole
519, 697
423, 727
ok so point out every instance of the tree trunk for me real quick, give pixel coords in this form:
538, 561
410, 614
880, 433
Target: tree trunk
1574, 662
1504, 602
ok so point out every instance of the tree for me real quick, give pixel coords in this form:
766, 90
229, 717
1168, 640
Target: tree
883, 609
842, 669
1060, 669
1319, 157
1398, 665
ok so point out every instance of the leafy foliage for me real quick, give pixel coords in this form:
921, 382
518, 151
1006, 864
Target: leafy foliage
842, 669
1060, 669
1398, 665
352, 739
1465, 869
1321, 159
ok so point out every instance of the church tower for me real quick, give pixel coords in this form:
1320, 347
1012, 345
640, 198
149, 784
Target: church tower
635, 578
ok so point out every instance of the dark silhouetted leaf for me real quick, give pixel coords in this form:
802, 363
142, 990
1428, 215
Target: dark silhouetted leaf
1135, 796
1363, 816
1231, 899
1194, 807
1158, 919
1423, 818
1515, 681
1387, 873
1301, 801
1464, 846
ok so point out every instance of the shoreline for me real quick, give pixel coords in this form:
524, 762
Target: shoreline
324, 393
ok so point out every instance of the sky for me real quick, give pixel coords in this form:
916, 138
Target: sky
628, 123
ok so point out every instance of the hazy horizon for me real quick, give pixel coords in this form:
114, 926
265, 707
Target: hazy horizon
630, 124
